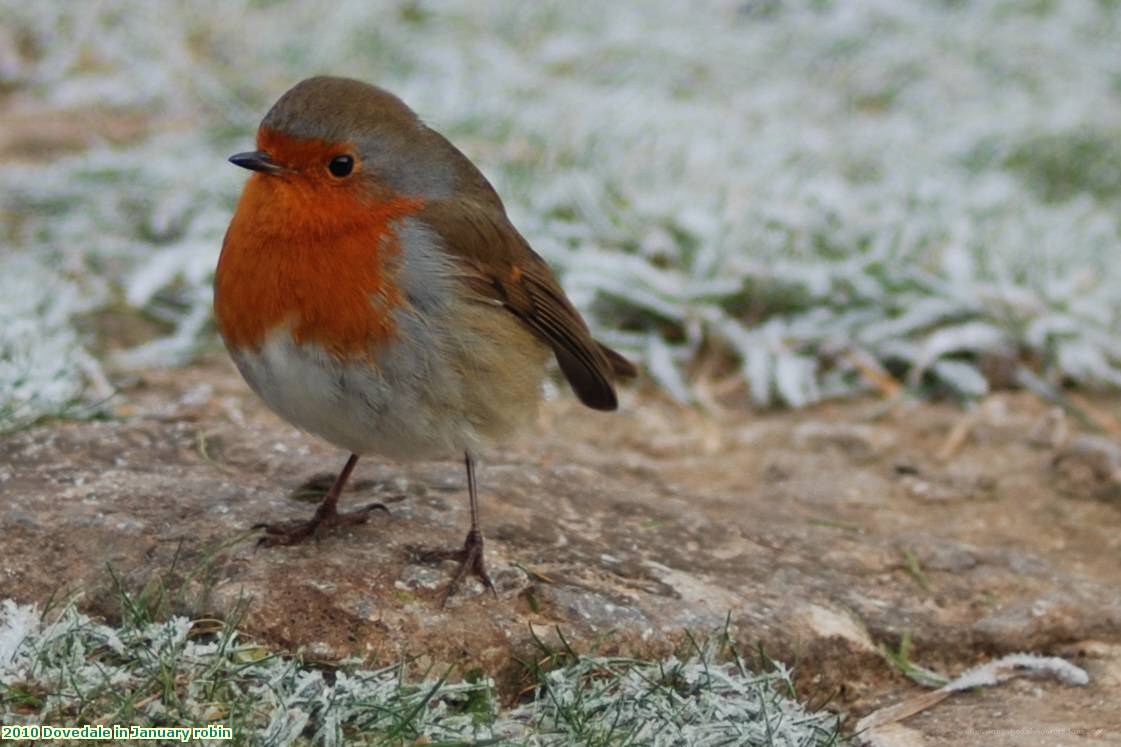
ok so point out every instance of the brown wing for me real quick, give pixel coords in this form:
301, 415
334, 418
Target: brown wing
499, 265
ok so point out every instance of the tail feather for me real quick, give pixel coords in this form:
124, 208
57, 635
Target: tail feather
620, 366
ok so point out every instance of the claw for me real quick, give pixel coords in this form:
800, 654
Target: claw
374, 507
471, 560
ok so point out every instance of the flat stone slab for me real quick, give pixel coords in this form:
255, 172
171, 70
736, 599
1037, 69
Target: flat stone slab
818, 535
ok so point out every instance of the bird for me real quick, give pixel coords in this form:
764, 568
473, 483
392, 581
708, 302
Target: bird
373, 292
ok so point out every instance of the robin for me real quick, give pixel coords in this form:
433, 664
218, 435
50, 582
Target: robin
373, 292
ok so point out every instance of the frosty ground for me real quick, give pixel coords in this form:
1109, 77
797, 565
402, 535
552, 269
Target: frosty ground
805, 190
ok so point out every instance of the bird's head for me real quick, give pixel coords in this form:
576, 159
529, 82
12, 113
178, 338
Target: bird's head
329, 135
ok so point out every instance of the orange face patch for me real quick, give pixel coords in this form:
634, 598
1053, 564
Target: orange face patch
310, 252
309, 157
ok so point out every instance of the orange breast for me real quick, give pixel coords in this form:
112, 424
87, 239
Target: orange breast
317, 259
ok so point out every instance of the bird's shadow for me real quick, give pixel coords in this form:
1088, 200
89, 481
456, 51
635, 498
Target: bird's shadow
315, 487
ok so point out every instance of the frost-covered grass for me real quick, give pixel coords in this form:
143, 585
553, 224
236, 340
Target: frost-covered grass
43, 368
804, 190
66, 669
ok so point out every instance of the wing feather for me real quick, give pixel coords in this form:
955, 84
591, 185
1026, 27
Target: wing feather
499, 265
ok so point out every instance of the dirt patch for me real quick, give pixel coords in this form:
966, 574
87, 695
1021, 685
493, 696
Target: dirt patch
30, 133
819, 535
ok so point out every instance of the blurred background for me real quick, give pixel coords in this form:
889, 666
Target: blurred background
766, 202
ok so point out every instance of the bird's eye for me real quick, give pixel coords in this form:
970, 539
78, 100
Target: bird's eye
341, 166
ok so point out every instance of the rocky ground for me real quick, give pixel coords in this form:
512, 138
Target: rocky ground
819, 535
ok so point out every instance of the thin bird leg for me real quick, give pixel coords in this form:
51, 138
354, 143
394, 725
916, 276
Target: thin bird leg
471, 556
326, 515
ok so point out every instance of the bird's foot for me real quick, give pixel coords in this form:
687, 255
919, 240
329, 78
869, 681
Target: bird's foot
471, 561
295, 532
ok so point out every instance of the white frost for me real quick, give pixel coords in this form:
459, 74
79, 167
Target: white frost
786, 180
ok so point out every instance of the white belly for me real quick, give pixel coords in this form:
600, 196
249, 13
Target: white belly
437, 395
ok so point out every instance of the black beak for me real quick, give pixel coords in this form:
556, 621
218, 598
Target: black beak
257, 160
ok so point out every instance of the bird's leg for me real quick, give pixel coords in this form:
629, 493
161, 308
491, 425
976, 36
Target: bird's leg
471, 556
326, 515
